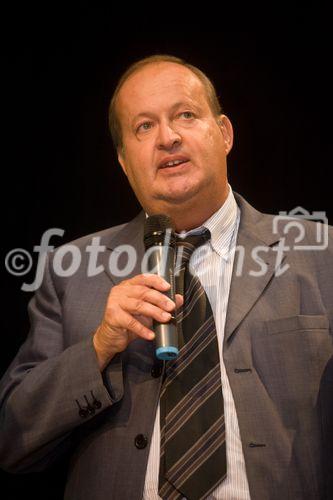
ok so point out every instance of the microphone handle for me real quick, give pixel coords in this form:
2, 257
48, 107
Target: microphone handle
162, 262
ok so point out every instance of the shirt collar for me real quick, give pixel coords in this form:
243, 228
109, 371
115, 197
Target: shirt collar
221, 226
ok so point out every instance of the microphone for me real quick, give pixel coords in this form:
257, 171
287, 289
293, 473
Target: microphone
160, 242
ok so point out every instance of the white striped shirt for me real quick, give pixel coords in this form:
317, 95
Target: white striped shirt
214, 272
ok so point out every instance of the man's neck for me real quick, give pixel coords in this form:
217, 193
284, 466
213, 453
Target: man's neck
193, 217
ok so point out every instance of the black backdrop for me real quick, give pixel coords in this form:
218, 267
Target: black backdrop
271, 70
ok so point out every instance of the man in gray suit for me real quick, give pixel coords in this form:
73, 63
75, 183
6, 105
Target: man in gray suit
87, 382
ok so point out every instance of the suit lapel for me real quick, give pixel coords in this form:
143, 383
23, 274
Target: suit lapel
131, 234
255, 230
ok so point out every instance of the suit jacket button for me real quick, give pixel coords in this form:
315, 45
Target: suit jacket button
156, 370
141, 441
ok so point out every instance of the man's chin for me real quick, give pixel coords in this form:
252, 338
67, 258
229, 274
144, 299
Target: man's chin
177, 197
180, 188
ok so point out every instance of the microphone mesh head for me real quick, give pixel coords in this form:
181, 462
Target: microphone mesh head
155, 230
157, 223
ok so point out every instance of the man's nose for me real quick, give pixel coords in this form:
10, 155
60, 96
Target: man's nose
168, 137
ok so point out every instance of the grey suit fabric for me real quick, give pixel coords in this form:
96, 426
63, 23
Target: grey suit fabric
277, 352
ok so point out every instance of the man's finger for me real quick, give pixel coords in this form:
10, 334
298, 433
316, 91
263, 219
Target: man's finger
151, 280
179, 300
135, 326
140, 307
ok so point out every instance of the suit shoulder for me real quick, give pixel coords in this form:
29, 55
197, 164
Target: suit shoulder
103, 236
106, 236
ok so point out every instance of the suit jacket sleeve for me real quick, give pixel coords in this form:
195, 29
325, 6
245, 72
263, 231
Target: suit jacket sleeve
45, 385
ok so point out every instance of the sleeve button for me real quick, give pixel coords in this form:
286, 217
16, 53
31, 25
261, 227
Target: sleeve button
83, 413
90, 410
97, 404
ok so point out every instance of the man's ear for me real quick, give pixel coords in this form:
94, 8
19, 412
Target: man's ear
121, 160
227, 132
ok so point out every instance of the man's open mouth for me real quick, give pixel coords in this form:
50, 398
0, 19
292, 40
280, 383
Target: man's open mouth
173, 163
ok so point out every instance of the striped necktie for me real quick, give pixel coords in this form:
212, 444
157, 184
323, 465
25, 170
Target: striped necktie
193, 450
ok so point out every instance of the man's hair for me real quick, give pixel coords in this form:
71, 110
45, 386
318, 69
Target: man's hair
114, 122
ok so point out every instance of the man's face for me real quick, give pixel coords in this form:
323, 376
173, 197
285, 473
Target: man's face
165, 117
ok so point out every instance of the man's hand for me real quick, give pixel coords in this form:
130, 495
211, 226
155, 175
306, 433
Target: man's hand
131, 307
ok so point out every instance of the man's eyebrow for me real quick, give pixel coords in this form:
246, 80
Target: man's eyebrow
143, 114
182, 103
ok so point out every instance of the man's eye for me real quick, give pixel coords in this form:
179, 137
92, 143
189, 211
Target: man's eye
187, 115
144, 126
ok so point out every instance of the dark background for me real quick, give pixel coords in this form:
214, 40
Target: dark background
271, 70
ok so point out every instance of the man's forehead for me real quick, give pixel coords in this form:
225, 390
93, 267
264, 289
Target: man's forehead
164, 71
154, 81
